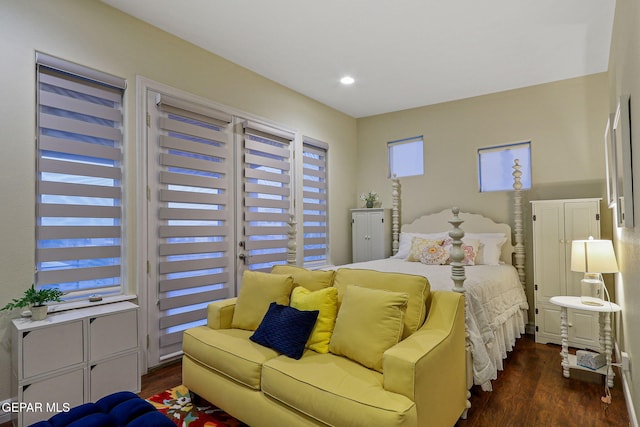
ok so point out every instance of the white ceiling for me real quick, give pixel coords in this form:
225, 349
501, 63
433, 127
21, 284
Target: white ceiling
404, 53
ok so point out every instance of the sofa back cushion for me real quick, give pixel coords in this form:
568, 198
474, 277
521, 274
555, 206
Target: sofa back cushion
416, 287
311, 279
257, 292
369, 322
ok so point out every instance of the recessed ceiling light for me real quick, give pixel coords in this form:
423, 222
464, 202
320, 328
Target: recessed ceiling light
347, 80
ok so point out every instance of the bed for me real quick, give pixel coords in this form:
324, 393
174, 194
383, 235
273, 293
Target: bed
497, 308
496, 302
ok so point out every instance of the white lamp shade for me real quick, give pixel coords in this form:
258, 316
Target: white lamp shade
593, 256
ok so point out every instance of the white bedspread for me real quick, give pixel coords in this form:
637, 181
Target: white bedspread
496, 308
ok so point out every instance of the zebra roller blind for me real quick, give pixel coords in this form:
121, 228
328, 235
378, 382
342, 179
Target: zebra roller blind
193, 214
315, 214
79, 245
267, 195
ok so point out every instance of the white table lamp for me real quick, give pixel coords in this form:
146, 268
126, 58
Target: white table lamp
593, 257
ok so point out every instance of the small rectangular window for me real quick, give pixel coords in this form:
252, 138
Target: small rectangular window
406, 157
495, 166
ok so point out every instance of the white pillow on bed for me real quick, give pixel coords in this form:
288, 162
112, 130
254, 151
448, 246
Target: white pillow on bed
404, 246
490, 247
471, 248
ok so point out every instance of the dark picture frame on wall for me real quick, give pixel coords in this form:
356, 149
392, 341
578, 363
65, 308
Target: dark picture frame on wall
623, 164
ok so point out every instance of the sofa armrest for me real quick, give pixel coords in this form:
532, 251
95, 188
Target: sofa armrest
220, 313
428, 367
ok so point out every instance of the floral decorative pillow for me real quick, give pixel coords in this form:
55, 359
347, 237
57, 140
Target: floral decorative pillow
428, 251
470, 248
404, 245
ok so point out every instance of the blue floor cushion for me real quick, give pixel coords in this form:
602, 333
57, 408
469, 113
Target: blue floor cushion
115, 410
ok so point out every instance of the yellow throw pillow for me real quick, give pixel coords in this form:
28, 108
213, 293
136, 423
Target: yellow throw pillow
310, 279
417, 287
257, 291
326, 301
428, 251
369, 322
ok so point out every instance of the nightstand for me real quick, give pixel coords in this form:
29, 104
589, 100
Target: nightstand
604, 311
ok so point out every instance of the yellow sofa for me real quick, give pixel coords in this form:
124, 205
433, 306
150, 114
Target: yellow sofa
420, 381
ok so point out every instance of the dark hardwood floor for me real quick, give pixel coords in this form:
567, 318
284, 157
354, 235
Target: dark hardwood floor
530, 392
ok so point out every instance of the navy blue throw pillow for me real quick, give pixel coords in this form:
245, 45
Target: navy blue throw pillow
285, 329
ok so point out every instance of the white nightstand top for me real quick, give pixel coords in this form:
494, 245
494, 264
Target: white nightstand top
575, 303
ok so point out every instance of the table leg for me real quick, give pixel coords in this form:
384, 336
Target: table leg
608, 347
601, 341
564, 333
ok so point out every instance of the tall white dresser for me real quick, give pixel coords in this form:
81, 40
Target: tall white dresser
555, 224
371, 233
73, 357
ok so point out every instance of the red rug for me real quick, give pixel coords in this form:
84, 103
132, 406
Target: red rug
187, 410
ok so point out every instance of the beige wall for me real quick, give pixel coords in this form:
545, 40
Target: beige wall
564, 121
624, 72
95, 35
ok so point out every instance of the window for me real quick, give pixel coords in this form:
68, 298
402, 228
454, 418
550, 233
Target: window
406, 157
79, 246
314, 182
495, 166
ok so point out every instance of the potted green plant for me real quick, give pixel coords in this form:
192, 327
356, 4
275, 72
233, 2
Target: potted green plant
369, 198
36, 299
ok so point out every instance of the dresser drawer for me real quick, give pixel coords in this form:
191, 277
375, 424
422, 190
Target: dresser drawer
53, 347
53, 395
110, 376
112, 334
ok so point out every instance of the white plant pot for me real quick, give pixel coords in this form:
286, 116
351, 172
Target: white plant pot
39, 312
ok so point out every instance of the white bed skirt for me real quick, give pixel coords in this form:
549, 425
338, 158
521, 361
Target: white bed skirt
505, 334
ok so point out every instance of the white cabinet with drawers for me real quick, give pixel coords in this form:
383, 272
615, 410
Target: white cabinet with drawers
73, 357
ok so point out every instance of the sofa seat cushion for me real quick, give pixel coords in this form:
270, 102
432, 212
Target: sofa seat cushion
336, 391
230, 352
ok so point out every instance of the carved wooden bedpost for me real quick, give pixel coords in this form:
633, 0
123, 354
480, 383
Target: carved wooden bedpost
458, 276
457, 254
395, 214
518, 228
292, 245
